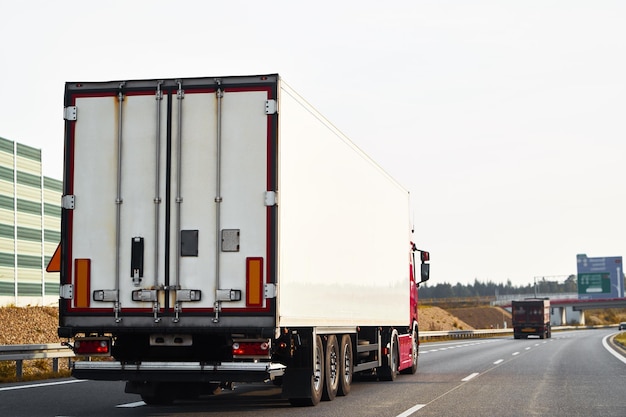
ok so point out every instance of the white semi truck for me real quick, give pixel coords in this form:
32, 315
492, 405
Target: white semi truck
219, 230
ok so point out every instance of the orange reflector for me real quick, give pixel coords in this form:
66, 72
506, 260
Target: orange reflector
82, 281
254, 282
55, 262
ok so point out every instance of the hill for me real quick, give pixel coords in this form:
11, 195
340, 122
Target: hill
483, 317
28, 325
436, 319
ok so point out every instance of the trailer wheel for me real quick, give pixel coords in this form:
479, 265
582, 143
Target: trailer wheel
389, 370
346, 365
331, 369
156, 400
317, 379
414, 355
159, 396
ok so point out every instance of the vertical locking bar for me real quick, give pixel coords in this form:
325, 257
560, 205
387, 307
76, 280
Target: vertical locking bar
180, 95
118, 201
157, 195
219, 94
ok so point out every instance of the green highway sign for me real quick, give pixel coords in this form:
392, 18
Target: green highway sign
594, 283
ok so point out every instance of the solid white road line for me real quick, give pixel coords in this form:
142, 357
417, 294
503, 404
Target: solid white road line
45, 384
411, 410
611, 350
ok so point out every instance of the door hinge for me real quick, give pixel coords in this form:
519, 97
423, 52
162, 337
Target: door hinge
66, 292
270, 291
67, 201
271, 106
271, 198
69, 113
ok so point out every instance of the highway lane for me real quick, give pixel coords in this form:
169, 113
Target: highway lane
569, 375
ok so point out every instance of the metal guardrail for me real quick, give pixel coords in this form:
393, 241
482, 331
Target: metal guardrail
20, 353
463, 334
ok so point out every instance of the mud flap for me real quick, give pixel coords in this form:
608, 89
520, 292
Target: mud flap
297, 383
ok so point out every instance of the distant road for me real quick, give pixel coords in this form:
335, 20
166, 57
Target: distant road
572, 374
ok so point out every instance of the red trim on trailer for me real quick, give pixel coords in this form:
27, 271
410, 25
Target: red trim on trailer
271, 156
67, 257
70, 166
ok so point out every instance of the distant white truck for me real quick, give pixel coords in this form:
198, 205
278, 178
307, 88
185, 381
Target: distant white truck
219, 230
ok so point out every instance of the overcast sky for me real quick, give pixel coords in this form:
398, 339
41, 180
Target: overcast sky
506, 120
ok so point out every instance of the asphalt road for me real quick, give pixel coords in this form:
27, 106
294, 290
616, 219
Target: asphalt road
572, 374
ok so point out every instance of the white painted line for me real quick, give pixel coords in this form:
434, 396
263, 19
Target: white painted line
411, 410
611, 350
131, 405
528, 348
45, 384
499, 361
467, 378
516, 353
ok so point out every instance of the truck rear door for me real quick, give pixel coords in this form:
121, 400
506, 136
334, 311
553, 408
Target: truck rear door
169, 202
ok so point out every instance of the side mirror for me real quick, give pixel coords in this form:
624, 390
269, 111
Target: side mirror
425, 272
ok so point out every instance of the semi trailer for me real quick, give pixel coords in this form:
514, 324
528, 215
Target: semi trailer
531, 317
219, 230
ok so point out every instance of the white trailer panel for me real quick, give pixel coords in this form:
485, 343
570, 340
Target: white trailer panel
175, 181
344, 227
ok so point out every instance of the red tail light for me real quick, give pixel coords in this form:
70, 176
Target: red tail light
251, 348
92, 346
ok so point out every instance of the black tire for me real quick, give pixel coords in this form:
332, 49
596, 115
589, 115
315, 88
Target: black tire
346, 365
389, 370
317, 378
331, 369
414, 356
157, 400
160, 396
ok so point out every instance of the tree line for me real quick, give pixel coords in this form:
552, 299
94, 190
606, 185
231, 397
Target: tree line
490, 288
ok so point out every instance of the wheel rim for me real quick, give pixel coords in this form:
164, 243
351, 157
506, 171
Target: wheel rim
347, 364
317, 373
334, 363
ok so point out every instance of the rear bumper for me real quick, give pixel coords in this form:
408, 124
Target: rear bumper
178, 371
